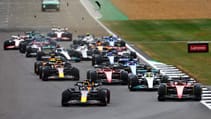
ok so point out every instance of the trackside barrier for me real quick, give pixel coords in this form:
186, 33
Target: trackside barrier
206, 99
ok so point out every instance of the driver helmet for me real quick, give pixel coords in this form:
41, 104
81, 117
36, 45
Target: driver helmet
52, 57
110, 36
180, 81
109, 54
87, 34
98, 43
149, 69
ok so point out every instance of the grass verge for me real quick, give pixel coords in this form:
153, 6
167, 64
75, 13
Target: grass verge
166, 41
109, 11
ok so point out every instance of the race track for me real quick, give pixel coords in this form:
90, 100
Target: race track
24, 96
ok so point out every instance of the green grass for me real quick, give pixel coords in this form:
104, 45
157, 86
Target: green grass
108, 10
166, 41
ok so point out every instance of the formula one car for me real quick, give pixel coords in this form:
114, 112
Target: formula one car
48, 59
111, 74
86, 92
107, 57
44, 60
179, 88
112, 40
149, 80
69, 54
59, 70
60, 34
45, 50
85, 51
36, 45
32, 35
14, 42
50, 4
81, 39
113, 56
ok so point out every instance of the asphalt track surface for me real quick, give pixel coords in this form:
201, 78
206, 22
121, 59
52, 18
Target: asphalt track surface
24, 96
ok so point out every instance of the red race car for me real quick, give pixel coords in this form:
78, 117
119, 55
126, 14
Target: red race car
111, 75
179, 88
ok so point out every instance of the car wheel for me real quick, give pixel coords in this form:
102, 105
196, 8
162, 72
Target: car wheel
27, 54
161, 92
75, 73
5, 48
132, 81
124, 77
35, 68
104, 96
66, 96
43, 9
197, 92
44, 75
92, 75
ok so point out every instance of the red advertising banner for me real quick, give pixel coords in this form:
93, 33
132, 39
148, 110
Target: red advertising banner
198, 47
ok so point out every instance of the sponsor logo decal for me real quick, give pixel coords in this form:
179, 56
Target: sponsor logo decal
198, 47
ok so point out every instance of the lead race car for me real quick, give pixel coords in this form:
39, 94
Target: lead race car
179, 88
60, 34
86, 92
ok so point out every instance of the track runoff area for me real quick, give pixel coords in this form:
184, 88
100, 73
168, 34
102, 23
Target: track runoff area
165, 69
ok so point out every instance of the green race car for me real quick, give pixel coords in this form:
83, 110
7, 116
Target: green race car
50, 4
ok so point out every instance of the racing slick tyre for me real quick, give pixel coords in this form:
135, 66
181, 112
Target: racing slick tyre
197, 92
92, 75
104, 95
40, 68
93, 60
36, 68
132, 81
44, 73
6, 43
124, 77
108, 96
78, 55
122, 43
75, 72
39, 56
164, 79
75, 42
5, 48
96, 60
27, 54
133, 55
21, 48
161, 92
66, 96
96, 51
43, 9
